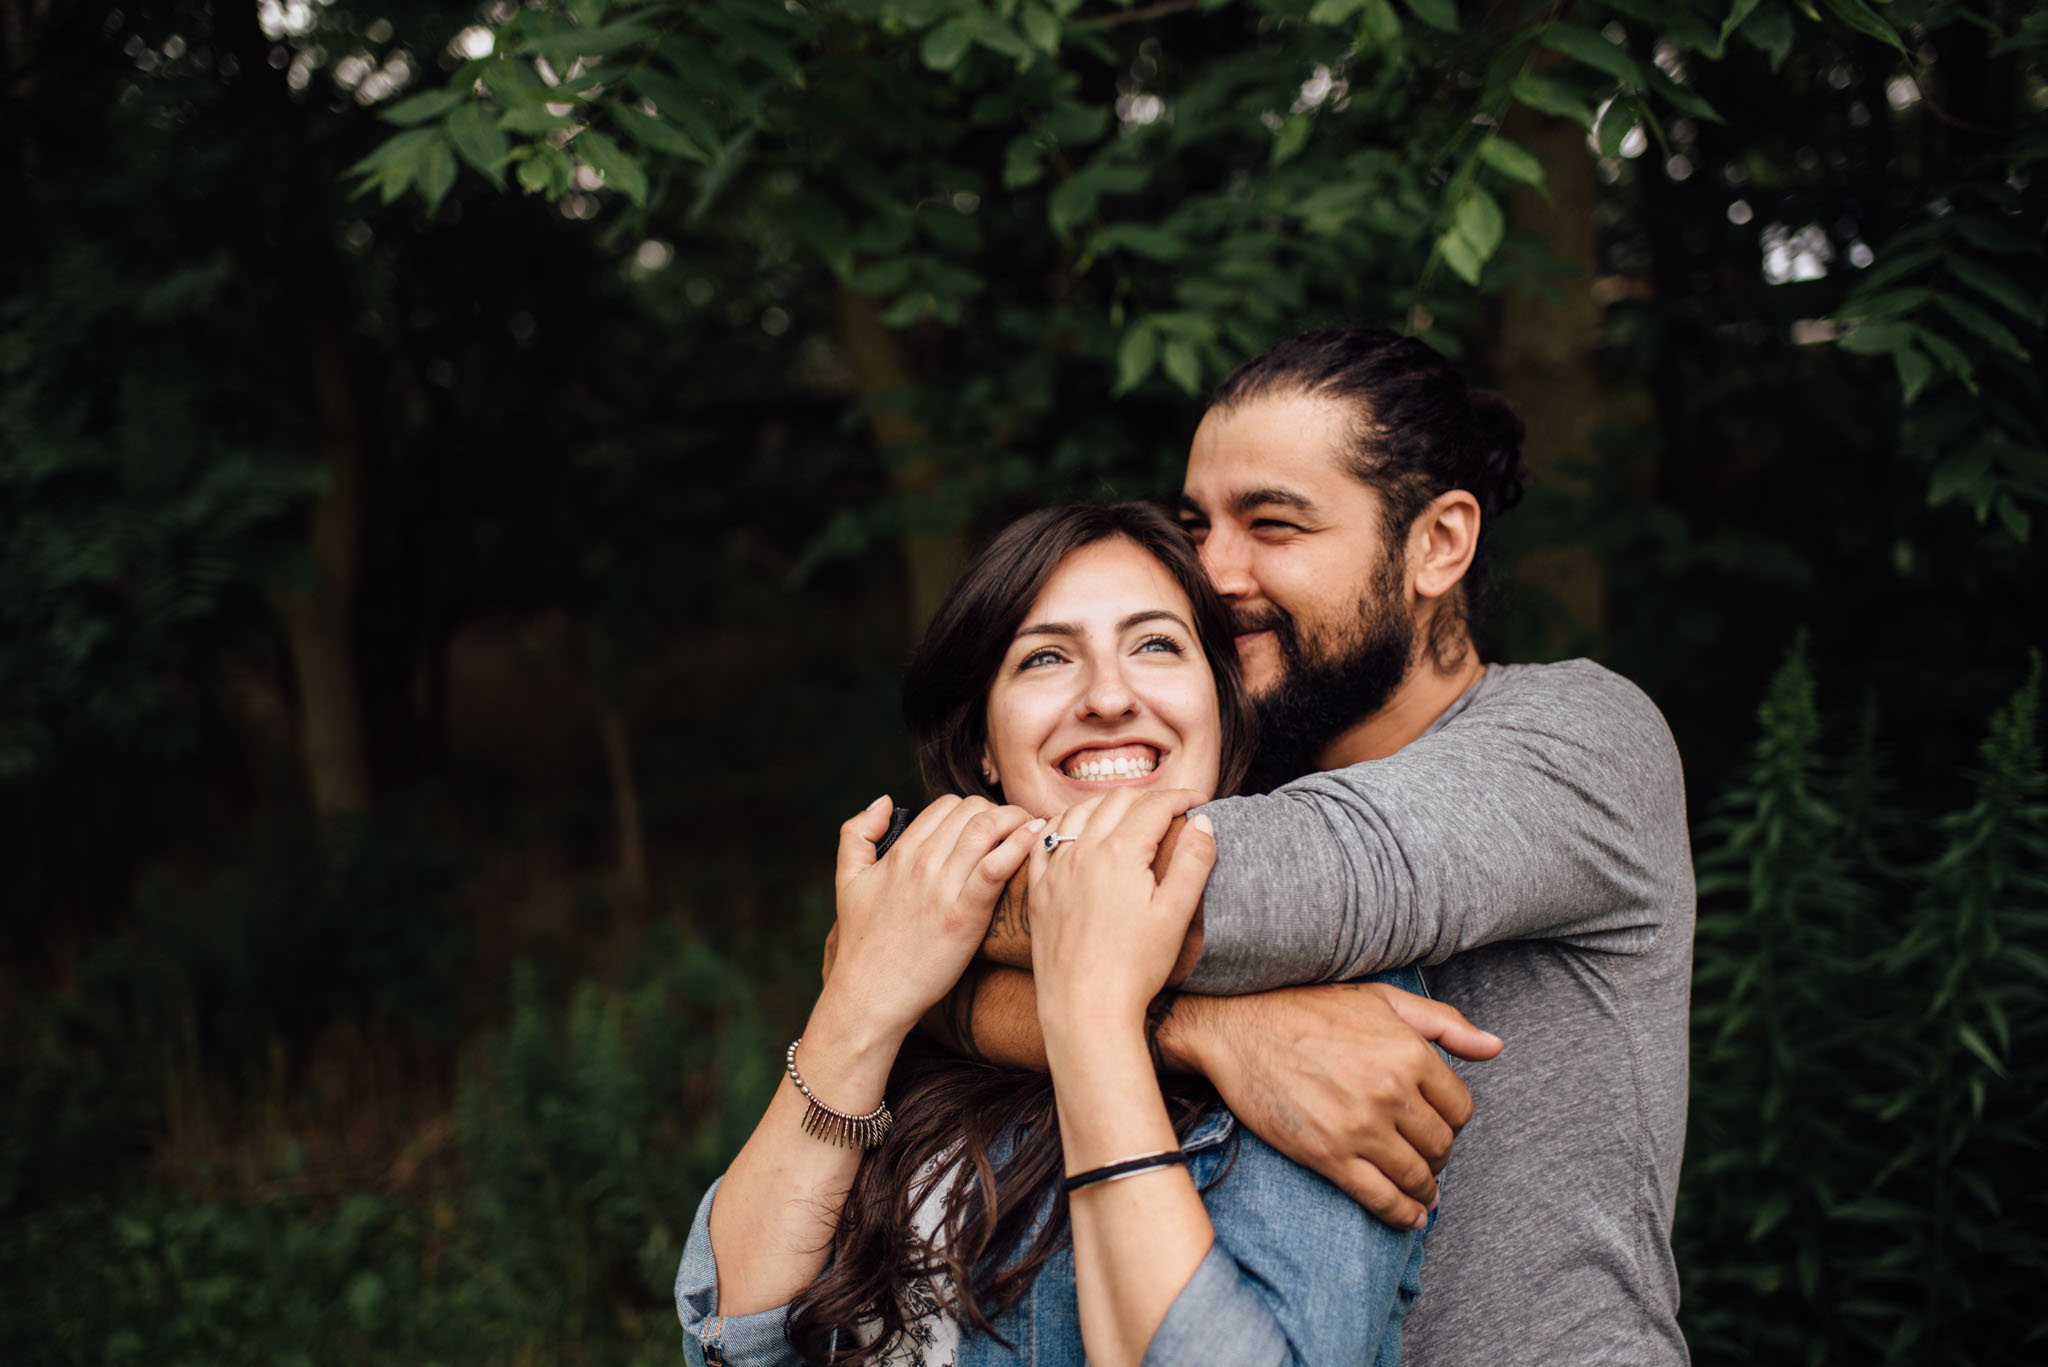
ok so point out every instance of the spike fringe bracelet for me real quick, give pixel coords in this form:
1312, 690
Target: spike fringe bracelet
837, 1127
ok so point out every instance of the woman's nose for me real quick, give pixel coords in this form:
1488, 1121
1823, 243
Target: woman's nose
1108, 694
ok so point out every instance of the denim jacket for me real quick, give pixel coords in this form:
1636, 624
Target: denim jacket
1299, 1276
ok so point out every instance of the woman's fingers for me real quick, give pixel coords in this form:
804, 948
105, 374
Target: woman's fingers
987, 826
1187, 869
997, 867
857, 837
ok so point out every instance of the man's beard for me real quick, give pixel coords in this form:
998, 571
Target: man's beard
1329, 685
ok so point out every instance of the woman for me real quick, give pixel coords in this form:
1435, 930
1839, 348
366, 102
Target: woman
1083, 671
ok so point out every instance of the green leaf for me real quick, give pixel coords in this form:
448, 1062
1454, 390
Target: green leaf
1293, 136
1023, 163
1771, 30
1548, 95
1915, 370
1460, 256
620, 171
1042, 27
1737, 12
480, 141
883, 277
1512, 160
1952, 356
1865, 21
1182, 367
656, 136
676, 103
1676, 95
1073, 201
1072, 125
1380, 26
1876, 339
1593, 49
1995, 235
750, 41
1440, 14
998, 37
546, 172
398, 149
1135, 357
1480, 222
1614, 127
428, 104
436, 174
909, 309
534, 120
1334, 11
563, 46
2017, 522
1964, 473
1993, 285
945, 45
1142, 239
1983, 324
1877, 308
1974, 1042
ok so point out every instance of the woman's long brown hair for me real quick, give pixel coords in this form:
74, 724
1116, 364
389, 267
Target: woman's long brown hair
984, 1136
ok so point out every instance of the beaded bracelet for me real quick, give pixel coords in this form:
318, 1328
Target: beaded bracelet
1129, 1167
837, 1127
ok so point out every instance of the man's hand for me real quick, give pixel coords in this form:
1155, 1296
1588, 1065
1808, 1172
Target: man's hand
1341, 1079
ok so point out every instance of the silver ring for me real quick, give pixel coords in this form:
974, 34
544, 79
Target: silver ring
1053, 839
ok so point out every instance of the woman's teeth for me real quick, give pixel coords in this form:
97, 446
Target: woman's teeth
1111, 768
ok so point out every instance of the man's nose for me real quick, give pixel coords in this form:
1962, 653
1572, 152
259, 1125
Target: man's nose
1225, 558
1108, 694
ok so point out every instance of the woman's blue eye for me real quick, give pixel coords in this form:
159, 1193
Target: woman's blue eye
1038, 657
1160, 643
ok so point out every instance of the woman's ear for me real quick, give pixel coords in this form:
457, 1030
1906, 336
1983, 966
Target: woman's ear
988, 770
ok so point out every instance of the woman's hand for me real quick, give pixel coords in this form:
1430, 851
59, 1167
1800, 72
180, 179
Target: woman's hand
1104, 934
910, 922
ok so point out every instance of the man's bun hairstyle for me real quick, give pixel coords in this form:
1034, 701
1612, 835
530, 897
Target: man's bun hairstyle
1500, 437
1418, 430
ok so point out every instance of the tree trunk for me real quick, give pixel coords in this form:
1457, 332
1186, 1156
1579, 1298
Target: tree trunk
318, 615
1549, 334
634, 894
874, 354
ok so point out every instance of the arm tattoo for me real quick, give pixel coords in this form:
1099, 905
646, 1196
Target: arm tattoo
958, 1012
1012, 914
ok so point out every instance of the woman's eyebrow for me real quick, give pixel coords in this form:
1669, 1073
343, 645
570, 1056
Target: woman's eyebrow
1072, 629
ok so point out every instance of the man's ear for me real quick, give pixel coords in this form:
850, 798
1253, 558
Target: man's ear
1442, 541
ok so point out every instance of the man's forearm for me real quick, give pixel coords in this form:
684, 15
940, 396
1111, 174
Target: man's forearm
992, 1016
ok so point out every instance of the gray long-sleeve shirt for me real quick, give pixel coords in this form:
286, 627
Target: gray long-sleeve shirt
1531, 849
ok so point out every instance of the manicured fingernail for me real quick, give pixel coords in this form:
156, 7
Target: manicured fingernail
878, 802
1201, 822
1036, 825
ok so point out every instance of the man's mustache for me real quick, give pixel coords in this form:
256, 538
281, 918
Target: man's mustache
1247, 621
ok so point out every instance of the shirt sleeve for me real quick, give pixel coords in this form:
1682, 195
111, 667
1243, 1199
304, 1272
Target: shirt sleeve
1299, 1276
1553, 808
754, 1340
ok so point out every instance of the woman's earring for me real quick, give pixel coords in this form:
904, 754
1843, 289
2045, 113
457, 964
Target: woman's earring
988, 774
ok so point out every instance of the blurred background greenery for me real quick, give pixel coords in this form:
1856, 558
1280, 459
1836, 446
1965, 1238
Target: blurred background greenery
471, 475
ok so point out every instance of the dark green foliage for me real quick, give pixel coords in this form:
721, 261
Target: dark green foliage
1866, 1097
587, 1137
583, 1137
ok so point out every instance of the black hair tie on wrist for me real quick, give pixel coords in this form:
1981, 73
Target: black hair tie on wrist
1129, 1167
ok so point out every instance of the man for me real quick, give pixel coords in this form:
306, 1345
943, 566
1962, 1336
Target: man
1520, 831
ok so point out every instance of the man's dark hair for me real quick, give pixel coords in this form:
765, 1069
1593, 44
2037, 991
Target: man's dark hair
1418, 430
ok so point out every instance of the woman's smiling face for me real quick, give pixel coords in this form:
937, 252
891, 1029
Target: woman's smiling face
1104, 686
